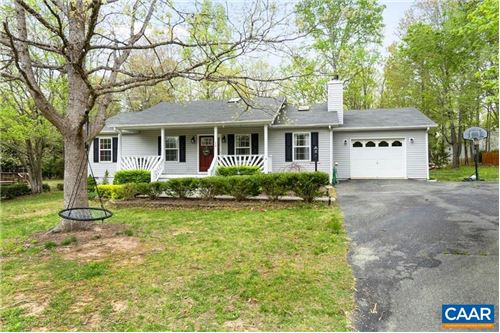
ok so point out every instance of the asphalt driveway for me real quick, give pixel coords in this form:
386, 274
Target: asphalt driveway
417, 245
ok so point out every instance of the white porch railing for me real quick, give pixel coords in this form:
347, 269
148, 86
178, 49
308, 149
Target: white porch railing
213, 166
236, 160
150, 163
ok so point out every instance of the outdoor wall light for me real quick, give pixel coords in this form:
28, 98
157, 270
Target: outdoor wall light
345, 142
223, 139
412, 140
193, 140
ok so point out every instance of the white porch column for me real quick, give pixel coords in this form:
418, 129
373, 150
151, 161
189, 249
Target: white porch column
216, 143
162, 153
119, 152
266, 149
331, 155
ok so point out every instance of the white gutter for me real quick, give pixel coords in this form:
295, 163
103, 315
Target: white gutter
191, 125
305, 125
380, 128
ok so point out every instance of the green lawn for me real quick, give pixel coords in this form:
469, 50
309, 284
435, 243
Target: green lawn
488, 173
53, 183
267, 269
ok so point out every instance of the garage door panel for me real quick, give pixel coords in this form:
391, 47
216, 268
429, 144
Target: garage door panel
366, 168
378, 162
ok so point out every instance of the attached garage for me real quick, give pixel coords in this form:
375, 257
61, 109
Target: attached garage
378, 158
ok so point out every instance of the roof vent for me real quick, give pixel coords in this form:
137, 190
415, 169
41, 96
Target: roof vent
303, 108
234, 100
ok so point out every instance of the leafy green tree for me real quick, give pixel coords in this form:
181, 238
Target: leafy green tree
345, 34
209, 24
440, 67
89, 44
25, 133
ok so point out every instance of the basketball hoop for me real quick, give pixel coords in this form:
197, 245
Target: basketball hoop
475, 134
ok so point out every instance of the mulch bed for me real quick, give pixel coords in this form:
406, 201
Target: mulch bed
206, 204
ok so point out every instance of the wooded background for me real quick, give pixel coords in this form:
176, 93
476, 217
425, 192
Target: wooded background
129, 55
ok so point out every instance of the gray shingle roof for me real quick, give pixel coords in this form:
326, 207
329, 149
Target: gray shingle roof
263, 110
386, 118
317, 115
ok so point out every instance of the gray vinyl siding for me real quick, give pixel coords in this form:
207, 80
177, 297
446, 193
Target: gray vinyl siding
145, 143
416, 159
99, 169
242, 130
277, 150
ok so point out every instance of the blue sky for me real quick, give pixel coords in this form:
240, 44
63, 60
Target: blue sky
393, 13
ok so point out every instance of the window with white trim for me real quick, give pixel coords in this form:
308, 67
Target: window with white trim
171, 148
301, 146
105, 149
242, 144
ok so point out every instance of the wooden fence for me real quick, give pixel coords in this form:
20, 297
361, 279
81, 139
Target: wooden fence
490, 158
13, 177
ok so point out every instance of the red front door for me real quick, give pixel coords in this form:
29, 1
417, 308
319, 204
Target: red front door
206, 152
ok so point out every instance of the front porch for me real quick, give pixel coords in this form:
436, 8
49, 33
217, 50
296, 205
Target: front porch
193, 152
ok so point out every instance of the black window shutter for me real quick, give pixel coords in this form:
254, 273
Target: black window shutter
288, 147
182, 148
96, 150
255, 143
159, 145
314, 143
115, 149
230, 144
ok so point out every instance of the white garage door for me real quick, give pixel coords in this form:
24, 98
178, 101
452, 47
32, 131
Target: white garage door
378, 158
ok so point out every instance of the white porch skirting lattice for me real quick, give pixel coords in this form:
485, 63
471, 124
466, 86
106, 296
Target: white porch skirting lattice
241, 160
236, 160
150, 163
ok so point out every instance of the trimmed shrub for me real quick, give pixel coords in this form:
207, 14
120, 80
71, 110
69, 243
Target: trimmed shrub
181, 187
304, 184
132, 176
243, 170
131, 190
156, 189
275, 185
143, 189
110, 191
307, 184
60, 186
242, 187
14, 190
209, 187
91, 183
125, 191
46, 187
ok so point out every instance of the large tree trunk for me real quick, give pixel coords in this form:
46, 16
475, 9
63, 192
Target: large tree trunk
75, 180
466, 154
455, 146
33, 164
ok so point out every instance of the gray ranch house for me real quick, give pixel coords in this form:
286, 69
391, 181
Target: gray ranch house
194, 138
